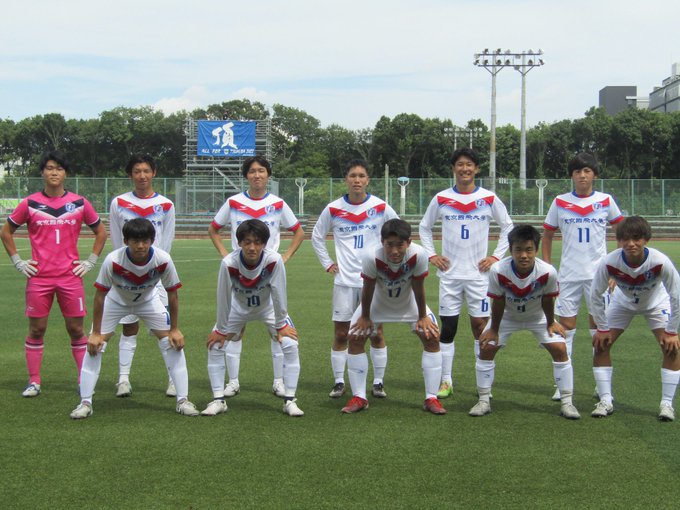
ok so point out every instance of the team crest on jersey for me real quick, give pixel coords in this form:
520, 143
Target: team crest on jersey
371, 212
649, 275
405, 268
270, 209
597, 206
70, 207
153, 273
480, 202
158, 208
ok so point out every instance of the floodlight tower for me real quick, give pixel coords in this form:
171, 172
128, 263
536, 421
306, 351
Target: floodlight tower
403, 182
529, 60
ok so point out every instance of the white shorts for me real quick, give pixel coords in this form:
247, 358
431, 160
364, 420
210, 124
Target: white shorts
238, 323
380, 317
569, 300
162, 293
452, 292
619, 317
538, 328
345, 301
153, 313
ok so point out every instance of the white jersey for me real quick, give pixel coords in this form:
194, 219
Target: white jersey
129, 284
158, 209
638, 288
393, 295
356, 231
270, 209
523, 295
465, 221
244, 292
583, 222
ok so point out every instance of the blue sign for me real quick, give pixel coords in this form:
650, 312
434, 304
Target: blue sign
226, 138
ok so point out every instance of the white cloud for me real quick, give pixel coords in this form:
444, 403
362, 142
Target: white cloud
194, 97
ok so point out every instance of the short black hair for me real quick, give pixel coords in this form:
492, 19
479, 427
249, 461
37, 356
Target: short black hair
139, 158
582, 160
255, 159
634, 227
355, 162
524, 233
467, 152
56, 156
395, 227
140, 229
255, 227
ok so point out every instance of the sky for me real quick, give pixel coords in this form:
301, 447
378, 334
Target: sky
344, 62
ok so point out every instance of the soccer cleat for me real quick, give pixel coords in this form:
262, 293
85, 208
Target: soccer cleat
445, 390
338, 390
378, 391
214, 408
480, 408
171, 391
232, 388
570, 412
666, 412
32, 390
123, 389
433, 405
84, 410
355, 405
602, 409
556, 396
291, 408
186, 408
278, 388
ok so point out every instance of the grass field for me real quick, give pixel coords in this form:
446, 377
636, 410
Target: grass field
137, 453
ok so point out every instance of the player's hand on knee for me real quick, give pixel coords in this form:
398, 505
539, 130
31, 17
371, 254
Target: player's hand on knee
95, 343
601, 340
427, 328
176, 339
556, 329
27, 267
216, 338
488, 340
287, 331
669, 344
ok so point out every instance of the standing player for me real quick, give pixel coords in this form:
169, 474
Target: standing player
256, 203
142, 202
127, 284
355, 220
251, 286
582, 216
394, 291
465, 212
647, 284
523, 290
53, 217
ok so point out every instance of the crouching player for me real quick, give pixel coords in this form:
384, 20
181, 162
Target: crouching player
647, 284
251, 286
127, 285
523, 290
394, 291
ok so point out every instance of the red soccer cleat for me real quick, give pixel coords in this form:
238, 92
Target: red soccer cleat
433, 405
355, 405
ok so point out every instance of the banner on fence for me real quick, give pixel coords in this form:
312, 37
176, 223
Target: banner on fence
226, 138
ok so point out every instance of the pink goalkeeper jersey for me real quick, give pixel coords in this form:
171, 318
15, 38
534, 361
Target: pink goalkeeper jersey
53, 228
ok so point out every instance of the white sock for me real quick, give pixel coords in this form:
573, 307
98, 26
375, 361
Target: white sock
603, 381
89, 374
277, 359
432, 372
448, 352
379, 362
485, 372
563, 373
217, 367
338, 362
126, 352
177, 366
669, 383
291, 365
476, 348
569, 340
233, 352
357, 368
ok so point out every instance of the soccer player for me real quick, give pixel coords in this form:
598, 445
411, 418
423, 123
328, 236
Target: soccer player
127, 284
53, 217
142, 202
465, 211
257, 203
251, 286
582, 216
647, 284
523, 290
355, 220
394, 291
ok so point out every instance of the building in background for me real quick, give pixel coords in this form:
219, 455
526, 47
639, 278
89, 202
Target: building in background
614, 99
666, 98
